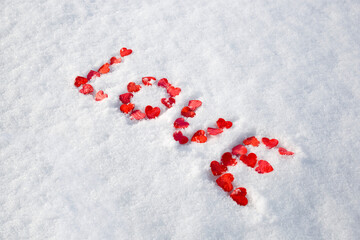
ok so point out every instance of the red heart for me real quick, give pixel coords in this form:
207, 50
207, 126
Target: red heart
146, 80
180, 123
126, 97
92, 73
249, 160
228, 160
164, 83
225, 182
152, 112
178, 136
168, 102
104, 68
137, 115
223, 124
194, 104
126, 108
87, 88
283, 151
199, 137
214, 131
187, 112
239, 150
217, 168
264, 167
238, 195
124, 52
270, 143
79, 81
100, 95
251, 141
173, 91
132, 87
115, 60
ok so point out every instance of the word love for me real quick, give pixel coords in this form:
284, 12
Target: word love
218, 168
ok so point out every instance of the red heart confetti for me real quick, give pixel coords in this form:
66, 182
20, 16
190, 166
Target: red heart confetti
194, 104
238, 195
87, 88
164, 83
126, 108
199, 137
251, 141
178, 136
250, 160
228, 160
173, 91
283, 151
223, 124
168, 102
115, 60
137, 115
132, 87
225, 182
126, 97
214, 131
270, 143
146, 80
104, 68
100, 95
92, 73
152, 112
264, 167
124, 52
79, 81
187, 112
180, 123
217, 168
239, 150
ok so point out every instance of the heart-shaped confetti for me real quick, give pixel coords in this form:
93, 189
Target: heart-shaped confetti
126, 97
178, 136
152, 112
270, 143
91, 74
180, 123
115, 60
146, 80
164, 83
124, 52
168, 102
239, 196
126, 108
132, 87
87, 89
223, 124
137, 115
251, 141
263, 167
228, 160
217, 168
194, 104
214, 131
239, 150
283, 151
225, 182
187, 112
100, 95
199, 137
80, 81
104, 68
250, 160
173, 91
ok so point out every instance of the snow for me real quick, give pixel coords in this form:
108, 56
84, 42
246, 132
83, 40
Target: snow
74, 168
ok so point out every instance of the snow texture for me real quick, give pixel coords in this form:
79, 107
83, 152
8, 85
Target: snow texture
74, 168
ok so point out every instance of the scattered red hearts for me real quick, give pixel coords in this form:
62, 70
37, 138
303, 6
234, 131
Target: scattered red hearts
238, 195
168, 102
79, 81
270, 143
250, 160
126, 108
173, 91
100, 95
164, 83
217, 168
132, 87
263, 167
251, 141
92, 73
146, 80
104, 68
223, 124
87, 89
180, 123
124, 52
225, 182
283, 151
115, 60
152, 112
137, 115
228, 160
239, 150
187, 112
194, 104
199, 137
214, 131
178, 136
126, 97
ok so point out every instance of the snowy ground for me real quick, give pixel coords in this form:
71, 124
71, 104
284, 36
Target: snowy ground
73, 168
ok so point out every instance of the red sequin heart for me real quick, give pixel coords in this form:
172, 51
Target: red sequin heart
100, 95
199, 137
79, 81
164, 83
214, 131
92, 73
115, 60
249, 160
126, 97
124, 52
238, 195
146, 80
217, 168
126, 108
270, 143
251, 141
228, 160
104, 68
283, 151
225, 182
178, 136
168, 102
223, 124
152, 112
187, 112
264, 167
137, 115
239, 150
180, 123
87, 88
132, 87
194, 104
173, 91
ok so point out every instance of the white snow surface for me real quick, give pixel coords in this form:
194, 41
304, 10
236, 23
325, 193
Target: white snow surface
74, 168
